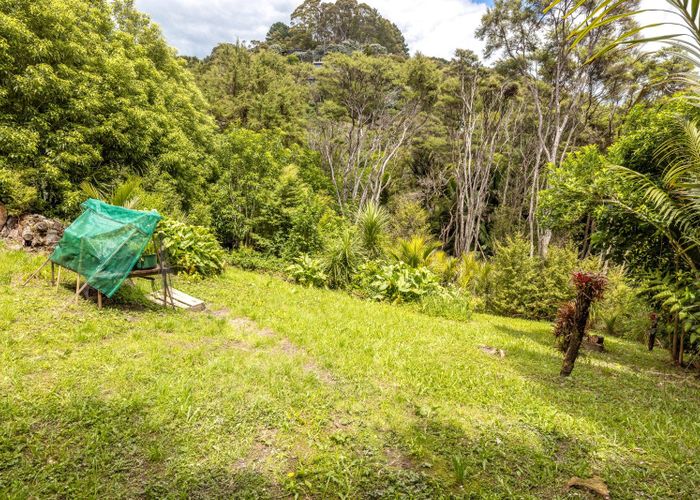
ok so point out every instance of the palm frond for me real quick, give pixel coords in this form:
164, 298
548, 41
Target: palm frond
91, 191
127, 194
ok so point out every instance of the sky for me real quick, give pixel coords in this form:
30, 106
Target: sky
194, 27
432, 27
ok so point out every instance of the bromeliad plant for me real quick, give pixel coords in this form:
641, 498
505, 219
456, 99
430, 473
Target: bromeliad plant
572, 324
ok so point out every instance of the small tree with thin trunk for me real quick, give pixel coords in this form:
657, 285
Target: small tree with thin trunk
589, 287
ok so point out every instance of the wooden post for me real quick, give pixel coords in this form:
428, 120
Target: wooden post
79, 291
53, 274
99, 299
77, 284
37, 271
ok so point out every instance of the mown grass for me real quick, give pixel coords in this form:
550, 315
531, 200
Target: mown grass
320, 394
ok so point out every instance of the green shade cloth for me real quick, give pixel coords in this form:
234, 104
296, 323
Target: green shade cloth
104, 243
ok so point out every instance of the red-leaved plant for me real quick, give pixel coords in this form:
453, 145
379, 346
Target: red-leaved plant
573, 320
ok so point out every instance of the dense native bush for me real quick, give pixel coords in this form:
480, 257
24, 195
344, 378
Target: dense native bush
89, 90
622, 311
192, 250
268, 196
529, 287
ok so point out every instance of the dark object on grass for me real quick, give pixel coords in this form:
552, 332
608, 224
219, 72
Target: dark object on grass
589, 287
594, 485
493, 351
651, 340
595, 343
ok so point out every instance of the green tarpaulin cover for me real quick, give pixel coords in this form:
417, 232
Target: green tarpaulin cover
104, 243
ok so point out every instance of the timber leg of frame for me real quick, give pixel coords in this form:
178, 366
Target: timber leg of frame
58, 278
53, 274
37, 271
99, 299
79, 291
77, 285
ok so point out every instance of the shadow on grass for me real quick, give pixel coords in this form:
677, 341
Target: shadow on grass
87, 446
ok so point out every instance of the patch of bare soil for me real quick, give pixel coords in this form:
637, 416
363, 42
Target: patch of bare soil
220, 313
250, 326
263, 448
396, 458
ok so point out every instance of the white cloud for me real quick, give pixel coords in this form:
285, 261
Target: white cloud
194, 27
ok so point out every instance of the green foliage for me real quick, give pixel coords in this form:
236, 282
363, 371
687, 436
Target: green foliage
341, 259
307, 271
319, 26
125, 194
255, 90
414, 252
372, 223
14, 193
678, 296
445, 266
448, 303
267, 196
574, 189
250, 260
192, 250
622, 311
90, 91
529, 287
408, 218
403, 283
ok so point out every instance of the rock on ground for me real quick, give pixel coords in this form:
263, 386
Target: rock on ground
31, 231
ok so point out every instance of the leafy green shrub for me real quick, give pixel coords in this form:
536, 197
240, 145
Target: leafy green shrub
251, 260
266, 195
16, 195
307, 271
529, 287
445, 266
621, 312
473, 274
192, 250
402, 283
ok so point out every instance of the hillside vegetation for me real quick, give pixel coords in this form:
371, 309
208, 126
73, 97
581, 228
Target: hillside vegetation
280, 389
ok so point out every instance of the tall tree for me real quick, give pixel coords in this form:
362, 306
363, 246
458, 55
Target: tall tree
90, 91
369, 110
319, 25
258, 90
478, 109
538, 49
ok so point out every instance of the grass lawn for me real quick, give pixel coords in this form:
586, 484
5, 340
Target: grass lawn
281, 390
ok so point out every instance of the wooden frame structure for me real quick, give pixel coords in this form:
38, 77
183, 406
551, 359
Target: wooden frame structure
162, 270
